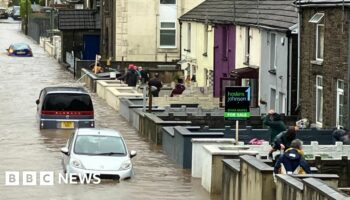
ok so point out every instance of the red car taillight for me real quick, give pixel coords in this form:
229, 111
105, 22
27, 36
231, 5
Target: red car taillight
46, 112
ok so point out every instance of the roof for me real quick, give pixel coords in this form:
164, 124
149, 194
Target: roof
278, 14
324, 3
98, 131
65, 89
78, 20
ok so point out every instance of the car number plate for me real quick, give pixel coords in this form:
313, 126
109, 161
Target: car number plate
67, 124
21, 52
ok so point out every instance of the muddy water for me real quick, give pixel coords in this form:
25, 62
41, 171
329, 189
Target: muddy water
23, 147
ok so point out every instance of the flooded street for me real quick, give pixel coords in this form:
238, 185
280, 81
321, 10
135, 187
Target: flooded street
24, 147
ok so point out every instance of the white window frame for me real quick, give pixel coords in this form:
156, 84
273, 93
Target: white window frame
316, 18
317, 41
319, 87
282, 98
275, 98
160, 29
273, 63
205, 46
340, 92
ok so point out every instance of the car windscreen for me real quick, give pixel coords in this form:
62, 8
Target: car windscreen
99, 145
20, 46
67, 102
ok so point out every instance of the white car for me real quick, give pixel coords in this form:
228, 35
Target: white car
97, 151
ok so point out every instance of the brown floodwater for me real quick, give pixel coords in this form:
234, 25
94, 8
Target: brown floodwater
23, 147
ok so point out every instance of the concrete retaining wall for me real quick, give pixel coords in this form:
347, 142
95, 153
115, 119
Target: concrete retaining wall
205, 102
90, 79
212, 168
317, 189
113, 94
102, 86
249, 178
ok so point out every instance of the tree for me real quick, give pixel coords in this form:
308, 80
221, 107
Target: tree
23, 7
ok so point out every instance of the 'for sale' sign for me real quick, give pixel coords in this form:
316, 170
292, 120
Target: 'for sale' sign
237, 103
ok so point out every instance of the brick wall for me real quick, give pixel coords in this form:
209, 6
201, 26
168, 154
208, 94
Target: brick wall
334, 65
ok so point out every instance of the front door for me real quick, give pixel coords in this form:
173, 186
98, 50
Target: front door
91, 46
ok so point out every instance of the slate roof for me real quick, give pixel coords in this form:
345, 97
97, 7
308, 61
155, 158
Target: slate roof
280, 14
78, 20
327, 3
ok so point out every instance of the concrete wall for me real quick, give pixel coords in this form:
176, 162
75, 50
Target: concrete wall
317, 189
205, 102
231, 180
288, 188
249, 178
278, 81
197, 55
256, 180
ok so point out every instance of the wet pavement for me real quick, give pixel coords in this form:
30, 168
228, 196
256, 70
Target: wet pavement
23, 147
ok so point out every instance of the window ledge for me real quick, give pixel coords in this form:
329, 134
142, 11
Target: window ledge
317, 62
272, 71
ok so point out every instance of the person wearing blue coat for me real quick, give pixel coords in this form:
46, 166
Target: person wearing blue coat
292, 161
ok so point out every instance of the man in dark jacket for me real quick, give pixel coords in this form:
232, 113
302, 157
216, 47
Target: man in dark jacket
156, 84
131, 77
283, 140
274, 121
292, 161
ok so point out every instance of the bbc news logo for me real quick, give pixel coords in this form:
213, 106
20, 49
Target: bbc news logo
48, 178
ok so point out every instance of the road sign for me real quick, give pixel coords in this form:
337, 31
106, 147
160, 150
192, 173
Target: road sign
237, 103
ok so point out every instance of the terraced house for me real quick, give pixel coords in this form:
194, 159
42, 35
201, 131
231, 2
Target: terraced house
325, 58
254, 43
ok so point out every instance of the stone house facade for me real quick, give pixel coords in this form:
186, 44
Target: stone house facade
324, 73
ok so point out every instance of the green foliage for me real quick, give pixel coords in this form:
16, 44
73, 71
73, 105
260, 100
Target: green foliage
24, 6
42, 2
14, 3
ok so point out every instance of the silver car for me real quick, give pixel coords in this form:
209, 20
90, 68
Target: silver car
65, 108
97, 151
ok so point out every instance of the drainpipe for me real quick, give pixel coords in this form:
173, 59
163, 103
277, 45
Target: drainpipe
289, 35
348, 124
299, 60
180, 45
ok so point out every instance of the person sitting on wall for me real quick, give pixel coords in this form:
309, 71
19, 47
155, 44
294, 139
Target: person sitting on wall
292, 161
179, 88
341, 135
97, 68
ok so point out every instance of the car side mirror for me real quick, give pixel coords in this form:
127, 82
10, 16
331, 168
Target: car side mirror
132, 153
64, 150
37, 102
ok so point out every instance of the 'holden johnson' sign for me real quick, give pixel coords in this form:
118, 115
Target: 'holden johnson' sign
237, 103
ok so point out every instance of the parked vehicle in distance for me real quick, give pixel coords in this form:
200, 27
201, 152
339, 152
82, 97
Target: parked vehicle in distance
13, 10
16, 15
20, 49
65, 108
3, 13
97, 151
